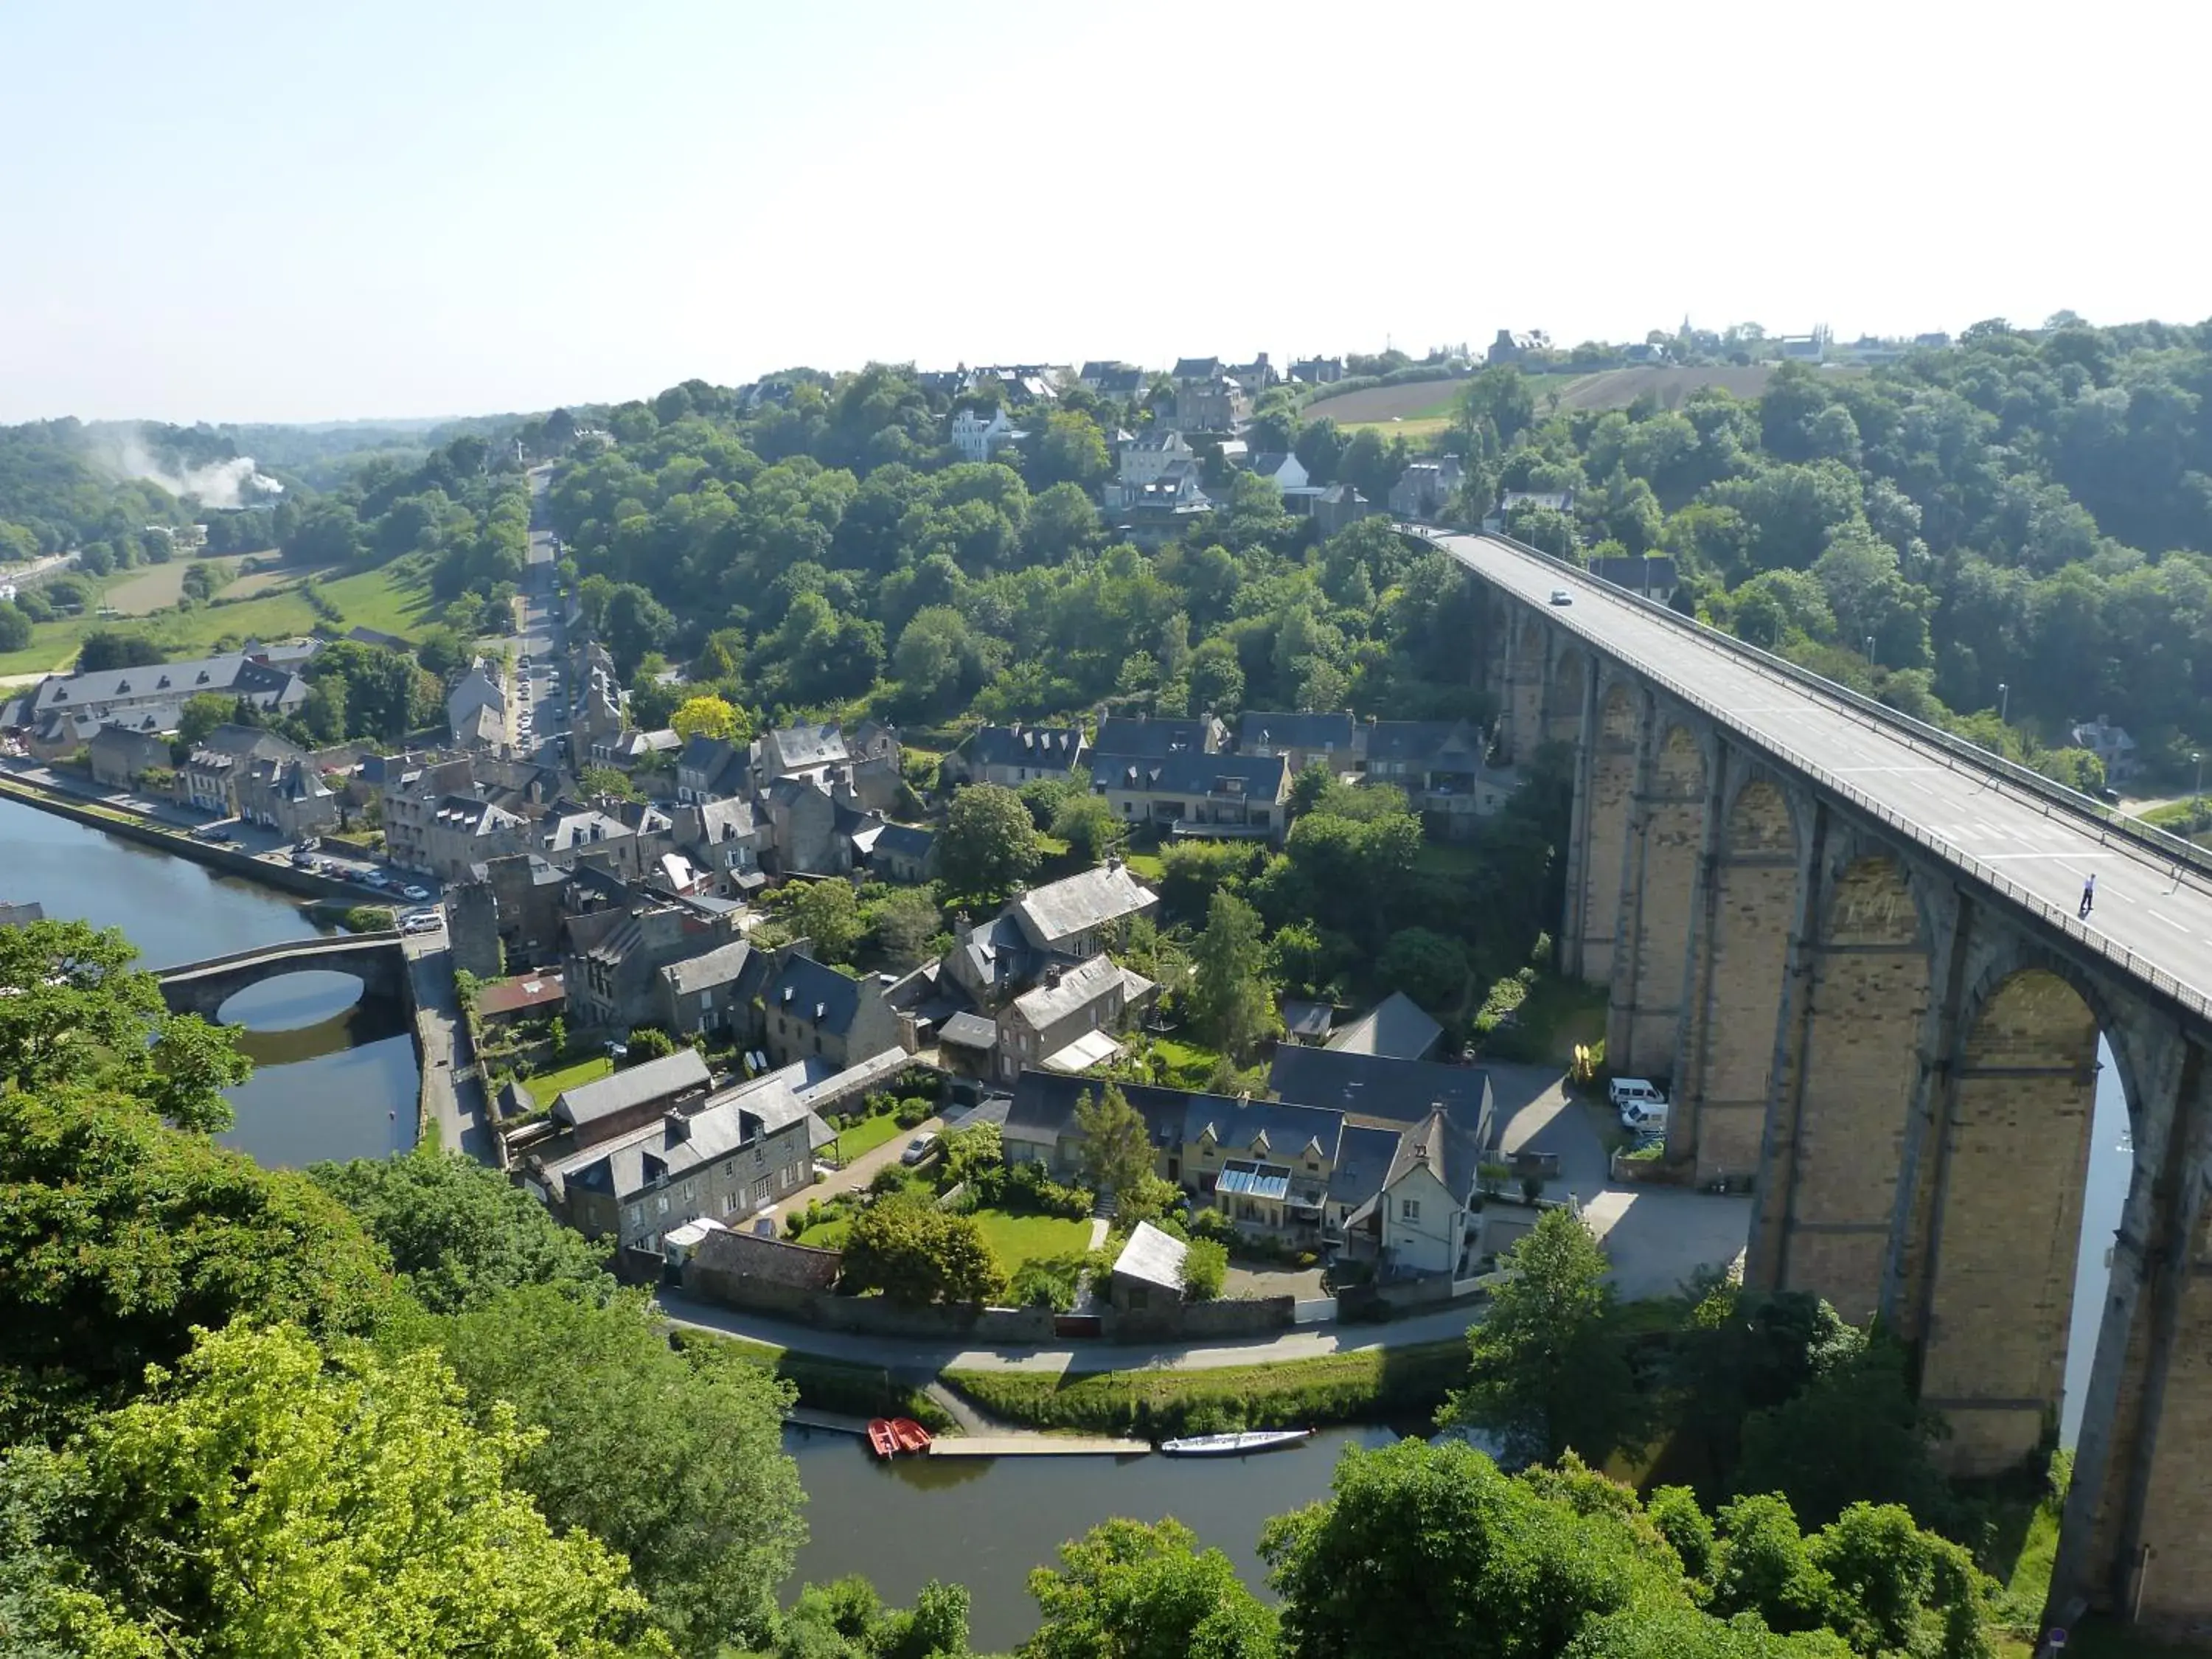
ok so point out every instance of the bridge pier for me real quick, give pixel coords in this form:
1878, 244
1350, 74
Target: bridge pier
1643, 1022
1614, 754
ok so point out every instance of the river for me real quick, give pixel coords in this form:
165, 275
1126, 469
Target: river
891, 1521
334, 1077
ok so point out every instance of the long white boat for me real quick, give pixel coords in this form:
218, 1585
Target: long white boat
1234, 1445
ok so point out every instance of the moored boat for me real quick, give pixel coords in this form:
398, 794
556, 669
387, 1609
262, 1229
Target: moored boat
1234, 1445
883, 1436
910, 1435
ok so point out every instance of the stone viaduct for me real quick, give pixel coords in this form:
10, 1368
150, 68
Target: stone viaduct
379, 960
1849, 943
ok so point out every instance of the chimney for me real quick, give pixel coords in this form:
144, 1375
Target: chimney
1052, 977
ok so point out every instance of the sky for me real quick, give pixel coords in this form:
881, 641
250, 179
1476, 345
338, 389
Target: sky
233, 212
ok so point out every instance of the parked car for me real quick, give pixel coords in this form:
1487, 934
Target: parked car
377, 878
425, 922
919, 1148
1639, 1103
418, 894
214, 832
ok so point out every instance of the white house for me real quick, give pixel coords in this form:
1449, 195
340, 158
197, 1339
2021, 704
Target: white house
978, 439
1146, 461
1284, 471
1426, 1204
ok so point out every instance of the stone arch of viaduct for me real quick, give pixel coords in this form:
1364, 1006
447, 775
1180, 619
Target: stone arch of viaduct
1904, 1065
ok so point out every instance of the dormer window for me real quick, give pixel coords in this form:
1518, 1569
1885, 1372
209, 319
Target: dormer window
203, 679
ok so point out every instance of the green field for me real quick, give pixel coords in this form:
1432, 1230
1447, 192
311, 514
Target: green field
547, 1084
1015, 1239
865, 1136
387, 599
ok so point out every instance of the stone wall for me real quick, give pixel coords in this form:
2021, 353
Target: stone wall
1612, 782
1196, 1320
1645, 1030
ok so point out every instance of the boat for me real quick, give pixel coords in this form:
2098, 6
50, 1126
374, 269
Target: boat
883, 1436
910, 1435
1234, 1445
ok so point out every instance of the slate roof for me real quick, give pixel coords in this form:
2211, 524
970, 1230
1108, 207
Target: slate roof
1152, 1257
773, 1260
234, 674
1197, 368
968, 1031
474, 817
906, 840
720, 966
1380, 1089
1306, 1019
1075, 904
1453, 744
1450, 1153
1079, 988
1264, 777
1364, 1157
1397, 1027
998, 953
656, 1080
808, 745
1282, 729
814, 992
1044, 1106
1024, 745
1122, 734
684, 1138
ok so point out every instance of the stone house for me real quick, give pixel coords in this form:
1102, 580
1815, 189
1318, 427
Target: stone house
1443, 768
286, 793
898, 852
476, 708
713, 992
809, 1009
1420, 1220
1424, 489
1149, 738
213, 778
121, 754
1335, 740
623, 1100
729, 836
1012, 756
712, 769
103, 692
1075, 915
724, 1156
1148, 1274
1215, 796
802, 819
615, 951
1067, 1022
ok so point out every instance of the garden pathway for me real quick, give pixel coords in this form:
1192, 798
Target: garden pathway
856, 1176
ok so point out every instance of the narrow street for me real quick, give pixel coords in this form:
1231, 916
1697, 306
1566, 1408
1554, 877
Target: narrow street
455, 1096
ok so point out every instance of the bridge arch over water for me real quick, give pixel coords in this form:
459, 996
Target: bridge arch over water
377, 960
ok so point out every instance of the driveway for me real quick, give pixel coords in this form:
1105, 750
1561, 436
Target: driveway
1657, 1237
856, 1176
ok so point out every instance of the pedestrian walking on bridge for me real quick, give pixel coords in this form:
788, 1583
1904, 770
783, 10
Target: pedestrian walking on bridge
2088, 896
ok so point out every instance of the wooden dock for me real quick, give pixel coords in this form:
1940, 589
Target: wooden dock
1035, 1445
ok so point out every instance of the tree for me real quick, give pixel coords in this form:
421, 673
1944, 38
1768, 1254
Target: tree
673, 1457
645, 1043
15, 627
829, 914
608, 781
1548, 1367
1427, 966
1116, 1146
1855, 1432
460, 1232
904, 922
1129, 1590
119, 1236
266, 1500
73, 1009
1086, 822
1228, 998
708, 716
109, 647
916, 1254
1205, 1267
1463, 1558
987, 844
1683, 1632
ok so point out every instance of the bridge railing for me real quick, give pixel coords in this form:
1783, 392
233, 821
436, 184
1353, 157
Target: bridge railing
2073, 926
1918, 734
320, 943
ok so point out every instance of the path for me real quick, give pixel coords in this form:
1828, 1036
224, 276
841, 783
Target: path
856, 1176
1304, 1342
453, 1096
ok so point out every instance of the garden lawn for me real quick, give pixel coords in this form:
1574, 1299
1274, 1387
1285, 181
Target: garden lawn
826, 1234
1189, 1064
547, 1084
1015, 1239
864, 1136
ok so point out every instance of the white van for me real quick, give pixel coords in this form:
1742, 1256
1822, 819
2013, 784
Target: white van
1633, 1097
1644, 1120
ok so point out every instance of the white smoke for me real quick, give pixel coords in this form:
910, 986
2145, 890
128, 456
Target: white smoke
220, 484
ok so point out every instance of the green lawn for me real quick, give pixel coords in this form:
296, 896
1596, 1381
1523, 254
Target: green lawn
547, 1084
826, 1234
384, 599
864, 1136
1145, 867
1015, 1239
1189, 1064
1444, 858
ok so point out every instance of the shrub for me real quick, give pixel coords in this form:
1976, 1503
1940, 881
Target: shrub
1204, 1269
911, 1112
368, 919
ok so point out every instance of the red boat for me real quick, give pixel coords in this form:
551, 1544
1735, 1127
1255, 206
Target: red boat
910, 1435
883, 1437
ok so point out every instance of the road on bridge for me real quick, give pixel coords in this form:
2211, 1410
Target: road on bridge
2144, 909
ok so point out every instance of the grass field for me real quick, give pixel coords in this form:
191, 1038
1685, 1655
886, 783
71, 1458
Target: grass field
386, 599
546, 1085
865, 1136
1362, 1385
826, 1234
151, 588
1015, 1239
829, 1385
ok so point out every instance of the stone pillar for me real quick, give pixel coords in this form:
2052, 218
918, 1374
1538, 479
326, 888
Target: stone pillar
1644, 1026
1528, 676
1614, 744
1738, 954
1573, 922
1566, 696
2138, 1521
1847, 1061
2009, 1221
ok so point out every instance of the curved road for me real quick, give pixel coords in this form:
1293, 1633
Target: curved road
2154, 923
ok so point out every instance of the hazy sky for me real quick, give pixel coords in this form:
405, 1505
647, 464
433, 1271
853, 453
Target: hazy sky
308, 211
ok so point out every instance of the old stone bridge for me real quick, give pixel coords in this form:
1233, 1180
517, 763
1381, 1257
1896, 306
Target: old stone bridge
1850, 944
379, 960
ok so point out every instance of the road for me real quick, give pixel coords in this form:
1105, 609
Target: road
454, 1093
540, 641
2145, 919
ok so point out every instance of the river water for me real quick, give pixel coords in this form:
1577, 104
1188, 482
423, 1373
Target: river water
337, 1078
334, 1077
986, 1523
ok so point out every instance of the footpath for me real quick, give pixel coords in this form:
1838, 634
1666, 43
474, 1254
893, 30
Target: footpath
906, 1354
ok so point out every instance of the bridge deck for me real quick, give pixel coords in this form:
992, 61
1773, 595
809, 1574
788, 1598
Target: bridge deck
2036, 852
